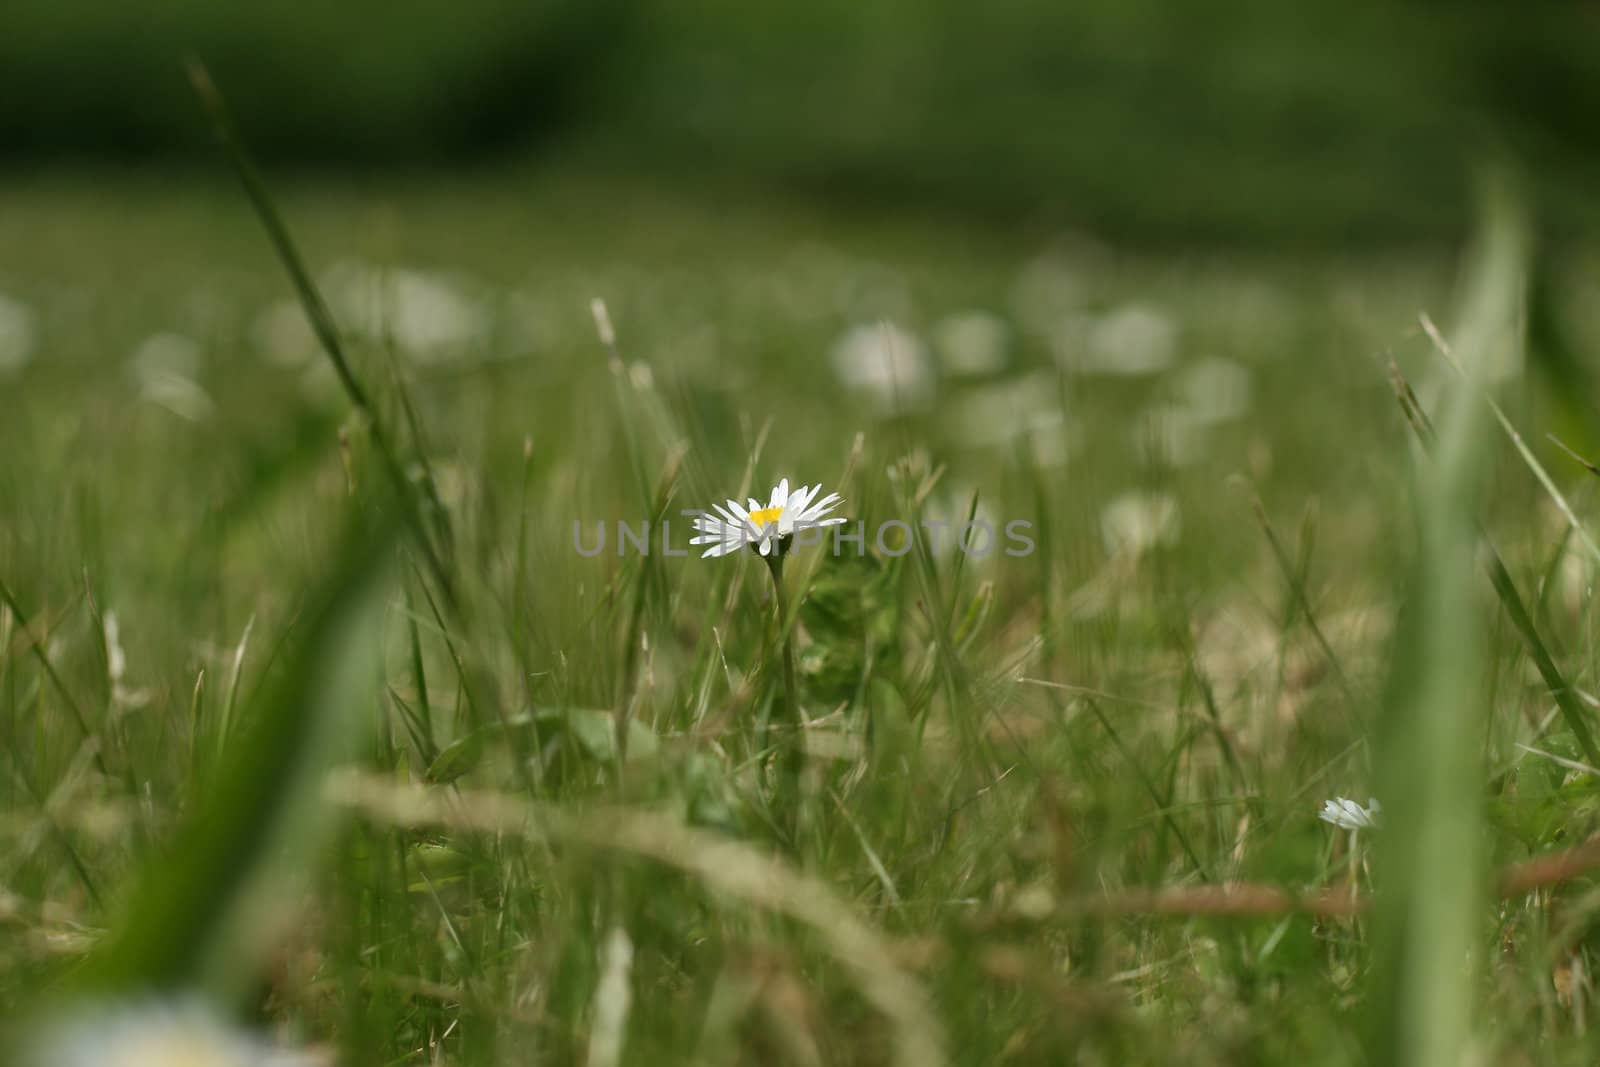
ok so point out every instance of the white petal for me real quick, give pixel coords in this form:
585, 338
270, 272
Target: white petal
780, 495
1346, 813
753, 505
735, 511
823, 506
766, 546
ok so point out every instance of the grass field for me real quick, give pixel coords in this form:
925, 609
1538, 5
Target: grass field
319, 714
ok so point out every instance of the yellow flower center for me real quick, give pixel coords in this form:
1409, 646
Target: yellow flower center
765, 515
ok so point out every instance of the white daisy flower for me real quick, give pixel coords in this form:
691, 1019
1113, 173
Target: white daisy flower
1135, 522
887, 364
1346, 813
155, 1033
763, 528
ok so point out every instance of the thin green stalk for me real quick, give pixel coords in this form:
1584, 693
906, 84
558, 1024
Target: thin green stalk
1297, 586
1163, 801
39, 653
1572, 710
791, 743
322, 323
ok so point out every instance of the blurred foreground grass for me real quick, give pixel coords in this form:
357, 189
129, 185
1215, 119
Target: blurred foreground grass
1157, 696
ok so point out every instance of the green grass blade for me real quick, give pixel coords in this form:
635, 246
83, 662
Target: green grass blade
1429, 745
186, 921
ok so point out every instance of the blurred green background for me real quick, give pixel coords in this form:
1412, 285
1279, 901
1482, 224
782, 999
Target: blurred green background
1142, 275
1245, 119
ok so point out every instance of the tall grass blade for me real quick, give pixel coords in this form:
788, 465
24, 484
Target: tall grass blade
322, 322
193, 917
1428, 749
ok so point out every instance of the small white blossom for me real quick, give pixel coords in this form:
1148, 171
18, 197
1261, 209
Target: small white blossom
1346, 813
886, 363
154, 1033
1130, 341
734, 527
18, 332
1135, 522
972, 343
166, 366
1216, 390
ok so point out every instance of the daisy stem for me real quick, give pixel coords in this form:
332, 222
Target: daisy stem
790, 741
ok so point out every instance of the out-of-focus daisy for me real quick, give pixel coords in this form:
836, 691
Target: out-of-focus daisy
154, 1033
432, 317
1346, 813
765, 527
972, 343
1129, 341
1135, 522
1215, 390
166, 366
18, 331
886, 363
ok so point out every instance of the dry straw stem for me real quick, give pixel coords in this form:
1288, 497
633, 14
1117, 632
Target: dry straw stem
1258, 899
728, 866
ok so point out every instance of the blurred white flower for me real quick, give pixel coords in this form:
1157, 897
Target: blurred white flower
1136, 522
154, 1034
117, 665
1215, 390
1132, 340
17, 334
165, 352
1346, 813
887, 363
1169, 435
733, 527
428, 315
116, 659
1052, 439
612, 999
972, 343
994, 413
165, 365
